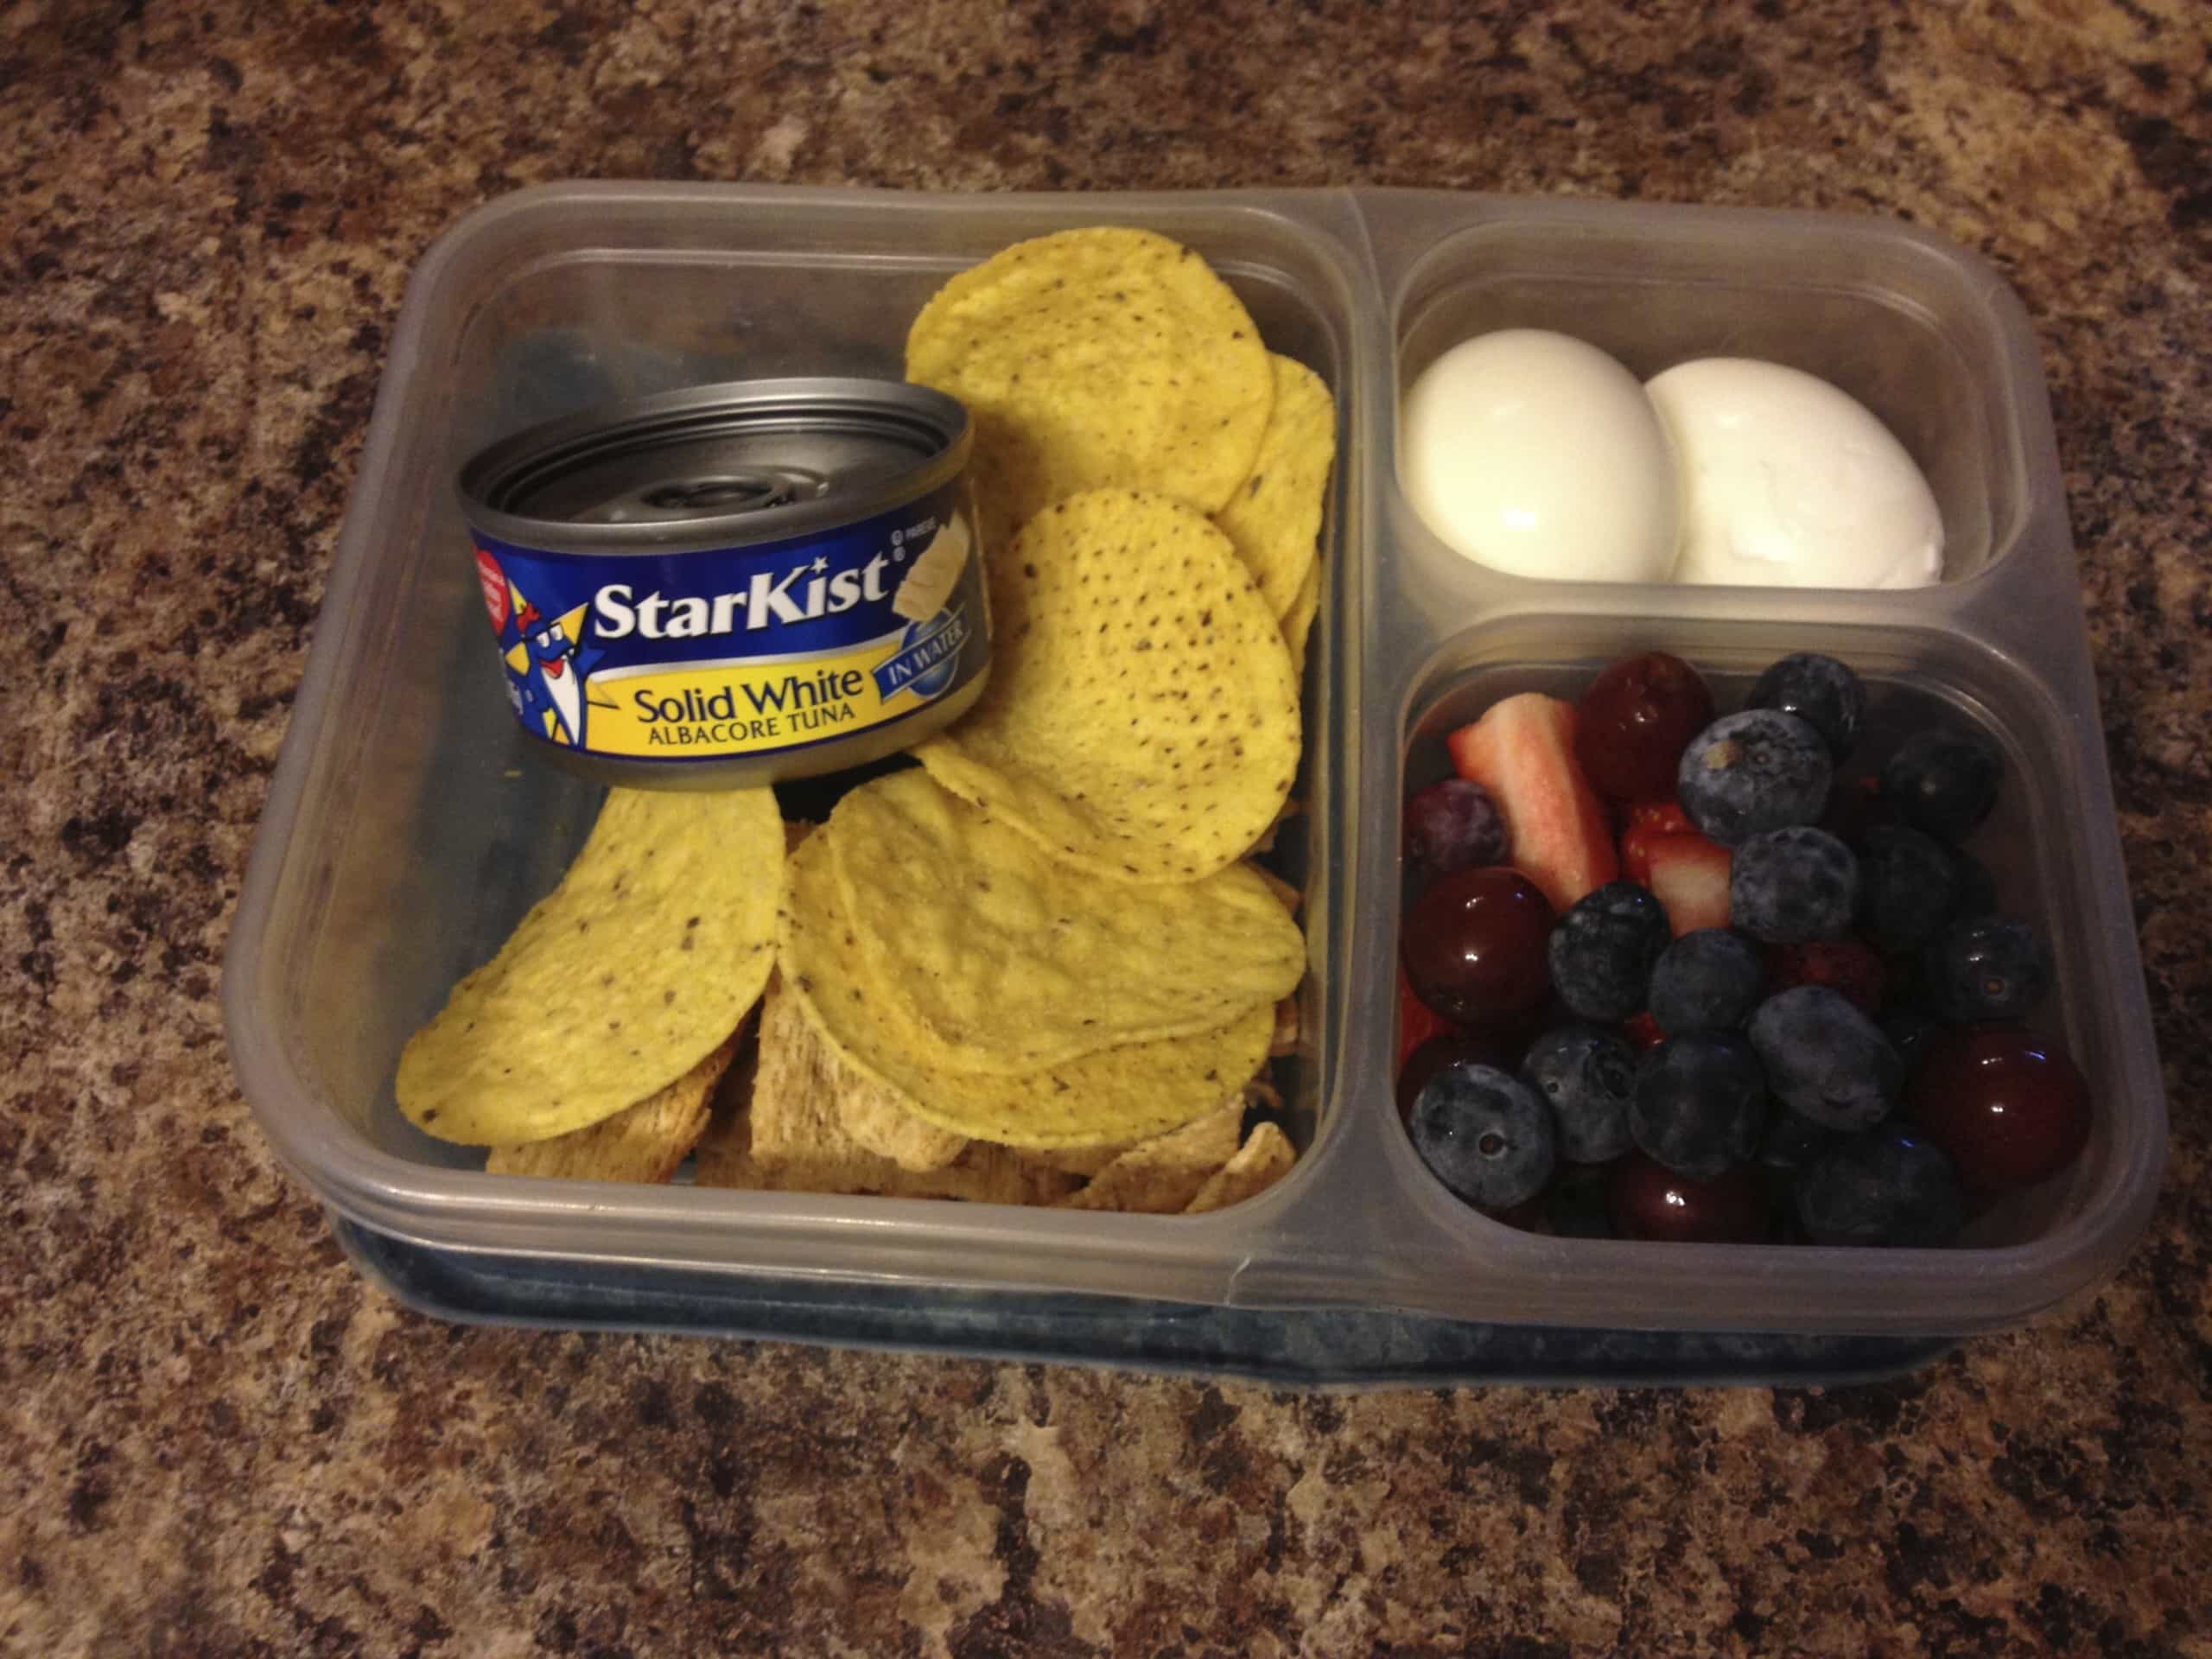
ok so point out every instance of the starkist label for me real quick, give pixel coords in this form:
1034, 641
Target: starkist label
766, 603
735, 650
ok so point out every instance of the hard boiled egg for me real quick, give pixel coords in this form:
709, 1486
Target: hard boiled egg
1534, 453
1789, 482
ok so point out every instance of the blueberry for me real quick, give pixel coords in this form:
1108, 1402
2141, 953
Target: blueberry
1907, 1030
1486, 1135
1826, 1060
1588, 1074
1819, 690
1887, 1186
1453, 825
1986, 968
1708, 980
1908, 886
1792, 1141
1601, 951
1700, 1102
1944, 783
1793, 885
1976, 886
1756, 770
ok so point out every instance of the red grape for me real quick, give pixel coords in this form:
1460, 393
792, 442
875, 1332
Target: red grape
1650, 1201
1633, 723
1473, 947
2010, 1111
1452, 825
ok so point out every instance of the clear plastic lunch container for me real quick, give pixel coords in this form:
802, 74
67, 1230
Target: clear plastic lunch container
407, 831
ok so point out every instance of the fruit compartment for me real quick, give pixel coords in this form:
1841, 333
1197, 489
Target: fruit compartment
2026, 1251
369, 902
1917, 329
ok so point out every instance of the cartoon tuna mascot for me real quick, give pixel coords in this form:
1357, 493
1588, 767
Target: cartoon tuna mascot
545, 673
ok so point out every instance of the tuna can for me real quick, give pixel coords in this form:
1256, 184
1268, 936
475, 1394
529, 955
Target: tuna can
724, 585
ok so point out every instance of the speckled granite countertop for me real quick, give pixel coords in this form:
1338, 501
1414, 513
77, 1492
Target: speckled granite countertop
219, 1440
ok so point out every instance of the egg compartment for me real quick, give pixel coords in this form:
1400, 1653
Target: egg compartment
2026, 1252
1921, 333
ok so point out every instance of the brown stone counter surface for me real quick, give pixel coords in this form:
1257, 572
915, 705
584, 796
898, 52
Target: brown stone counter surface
219, 1441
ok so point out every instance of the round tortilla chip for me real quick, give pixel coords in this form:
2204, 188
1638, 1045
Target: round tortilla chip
1142, 721
1275, 516
654, 946
1010, 960
644, 1143
1097, 357
1108, 1098
1298, 621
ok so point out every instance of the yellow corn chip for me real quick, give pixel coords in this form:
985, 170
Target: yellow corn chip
1008, 960
1159, 1177
1113, 1096
1142, 721
1298, 621
876, 1116
648, 954
1093, 357
1090, 1162
1275, 516
785, 1134
1083, 1161
1289, 897
1265, 1158
646, 1143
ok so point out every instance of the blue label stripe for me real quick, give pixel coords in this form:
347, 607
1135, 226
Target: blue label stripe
569, 623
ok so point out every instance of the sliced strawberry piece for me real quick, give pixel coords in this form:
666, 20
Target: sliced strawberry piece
1689, 875
1636, 854
1666, 818
1523, 752
1417, 1021
1642, 1031
1845, 966
1636, 850
1647, 822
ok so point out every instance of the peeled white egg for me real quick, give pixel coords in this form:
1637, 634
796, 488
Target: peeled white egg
1788, 481
1536, 454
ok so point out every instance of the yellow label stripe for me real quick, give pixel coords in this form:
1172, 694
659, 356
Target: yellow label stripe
687, 710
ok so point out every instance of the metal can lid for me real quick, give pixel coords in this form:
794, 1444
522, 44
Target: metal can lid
718, 465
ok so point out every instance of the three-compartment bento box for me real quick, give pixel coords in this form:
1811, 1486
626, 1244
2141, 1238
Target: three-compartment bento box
408, 829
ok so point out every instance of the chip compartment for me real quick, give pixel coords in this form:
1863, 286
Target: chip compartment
406, 833
406, 830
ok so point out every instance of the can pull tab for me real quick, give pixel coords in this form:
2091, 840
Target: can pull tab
752, 489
